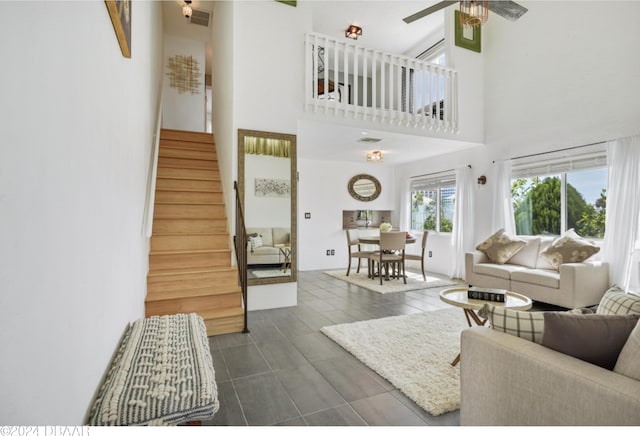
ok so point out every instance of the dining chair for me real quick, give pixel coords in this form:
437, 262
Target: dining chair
420, 256
355, 251
391, 254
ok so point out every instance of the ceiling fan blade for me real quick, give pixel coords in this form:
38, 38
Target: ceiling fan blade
507, 9
427, 11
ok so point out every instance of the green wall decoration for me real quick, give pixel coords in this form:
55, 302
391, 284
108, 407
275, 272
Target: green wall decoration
288, 2
467, 38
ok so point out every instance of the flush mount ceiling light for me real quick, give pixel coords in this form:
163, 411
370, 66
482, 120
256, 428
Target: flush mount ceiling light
474, 13
353, 32
186, 9
375, 156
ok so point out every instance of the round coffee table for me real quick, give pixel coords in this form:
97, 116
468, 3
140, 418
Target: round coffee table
458, 297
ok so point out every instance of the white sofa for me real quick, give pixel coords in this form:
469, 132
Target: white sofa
267, 253
574, 285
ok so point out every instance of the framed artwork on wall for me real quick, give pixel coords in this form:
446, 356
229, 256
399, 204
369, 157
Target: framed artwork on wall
467, 37
120, 14
272, 188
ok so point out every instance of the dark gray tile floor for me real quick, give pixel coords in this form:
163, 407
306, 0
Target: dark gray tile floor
286, 372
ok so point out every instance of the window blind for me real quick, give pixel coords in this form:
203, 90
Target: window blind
429, 182
563, 161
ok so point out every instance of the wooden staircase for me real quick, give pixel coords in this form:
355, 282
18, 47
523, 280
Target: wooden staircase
190, 266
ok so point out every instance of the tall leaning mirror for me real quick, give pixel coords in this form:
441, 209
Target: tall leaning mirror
267, 188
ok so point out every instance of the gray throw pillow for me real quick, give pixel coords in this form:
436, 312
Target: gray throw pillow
629, 359
597, 339
500, 247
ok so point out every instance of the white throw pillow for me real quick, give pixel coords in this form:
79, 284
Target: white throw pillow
528, 255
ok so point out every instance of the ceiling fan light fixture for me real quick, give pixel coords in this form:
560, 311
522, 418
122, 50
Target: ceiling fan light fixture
473, 13
375, 156
186, 8
353, 32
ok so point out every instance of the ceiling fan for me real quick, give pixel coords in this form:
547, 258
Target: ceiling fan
507, 9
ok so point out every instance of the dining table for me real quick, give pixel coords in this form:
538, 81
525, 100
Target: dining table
375, 239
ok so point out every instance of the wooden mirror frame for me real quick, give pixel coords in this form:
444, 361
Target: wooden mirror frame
356, 195
242, 133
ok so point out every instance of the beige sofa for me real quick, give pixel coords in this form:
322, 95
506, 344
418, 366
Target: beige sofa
267, 253
507, 380
528, 273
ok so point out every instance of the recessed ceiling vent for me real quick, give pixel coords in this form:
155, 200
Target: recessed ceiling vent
200, 18
369, 140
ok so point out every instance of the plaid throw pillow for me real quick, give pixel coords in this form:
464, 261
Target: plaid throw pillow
256, 242
526, 325
618, 302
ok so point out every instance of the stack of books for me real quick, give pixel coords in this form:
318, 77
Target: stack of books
486, 294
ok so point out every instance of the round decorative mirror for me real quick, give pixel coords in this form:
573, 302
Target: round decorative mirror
364, 187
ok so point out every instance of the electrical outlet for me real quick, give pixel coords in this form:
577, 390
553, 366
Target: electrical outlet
333, 252
430, 253
328, 252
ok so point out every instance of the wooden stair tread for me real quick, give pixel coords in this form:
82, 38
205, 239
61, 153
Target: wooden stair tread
212, 250
215, 203
187, 271
170, 152
224, 312
187, 136
193, 292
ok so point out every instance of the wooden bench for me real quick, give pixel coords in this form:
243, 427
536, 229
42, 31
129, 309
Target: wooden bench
162, 374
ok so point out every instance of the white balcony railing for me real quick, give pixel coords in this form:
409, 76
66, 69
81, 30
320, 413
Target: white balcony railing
364, 84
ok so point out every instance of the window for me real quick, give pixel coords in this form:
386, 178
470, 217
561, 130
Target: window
432, 202
551, 197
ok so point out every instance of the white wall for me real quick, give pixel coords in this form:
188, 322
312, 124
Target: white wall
564, 74
322, 189
77, 127
222, 100
183, 110
267, 92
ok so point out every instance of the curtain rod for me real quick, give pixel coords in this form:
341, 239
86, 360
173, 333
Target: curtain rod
555, 151
433, 174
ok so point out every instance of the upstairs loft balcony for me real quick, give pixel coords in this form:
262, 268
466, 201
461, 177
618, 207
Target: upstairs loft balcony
360, 83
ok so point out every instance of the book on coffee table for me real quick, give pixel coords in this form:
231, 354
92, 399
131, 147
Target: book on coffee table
486, 294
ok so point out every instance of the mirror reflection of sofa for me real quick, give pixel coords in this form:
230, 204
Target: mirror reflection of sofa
261, 248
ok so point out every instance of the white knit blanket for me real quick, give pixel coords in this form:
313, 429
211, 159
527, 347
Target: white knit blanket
162, 374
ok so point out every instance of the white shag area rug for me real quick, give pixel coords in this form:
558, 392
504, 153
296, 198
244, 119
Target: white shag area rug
414, 281
413, 352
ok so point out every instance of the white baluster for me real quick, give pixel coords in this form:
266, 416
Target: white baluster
336, 79
365, 88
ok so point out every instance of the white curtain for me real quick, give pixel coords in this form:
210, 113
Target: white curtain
623, 208
502, 204
462, 236
405, 205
